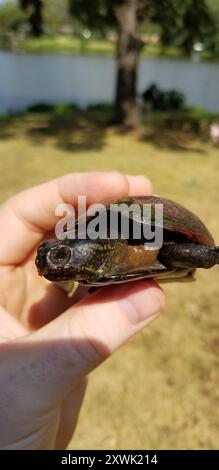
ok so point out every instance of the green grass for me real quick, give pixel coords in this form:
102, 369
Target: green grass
61, 44
66, 45
161, 390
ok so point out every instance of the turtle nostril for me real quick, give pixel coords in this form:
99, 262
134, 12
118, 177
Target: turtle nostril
60, 255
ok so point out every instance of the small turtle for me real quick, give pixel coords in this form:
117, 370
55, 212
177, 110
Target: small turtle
187, 245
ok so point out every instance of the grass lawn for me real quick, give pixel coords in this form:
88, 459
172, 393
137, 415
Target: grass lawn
67, 44
61, 44
161, 390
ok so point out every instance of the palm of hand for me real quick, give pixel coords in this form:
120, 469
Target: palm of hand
29, 302
28, 297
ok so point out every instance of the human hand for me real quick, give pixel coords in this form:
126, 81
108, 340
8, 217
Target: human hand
48, 344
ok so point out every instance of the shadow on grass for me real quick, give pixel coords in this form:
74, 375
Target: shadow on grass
75, 130
173, 141
70, 128
6, 128
179, 132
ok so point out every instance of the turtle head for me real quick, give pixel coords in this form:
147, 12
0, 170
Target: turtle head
54, 260
60, 260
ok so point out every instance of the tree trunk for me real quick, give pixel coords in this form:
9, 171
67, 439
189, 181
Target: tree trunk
35, 16
36, 19
126, 110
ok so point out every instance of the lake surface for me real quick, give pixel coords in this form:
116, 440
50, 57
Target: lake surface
26, 79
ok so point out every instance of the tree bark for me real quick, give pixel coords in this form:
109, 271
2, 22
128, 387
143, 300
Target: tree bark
36, 19
35, 16
126, 109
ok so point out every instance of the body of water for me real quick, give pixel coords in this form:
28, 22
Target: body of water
26, 79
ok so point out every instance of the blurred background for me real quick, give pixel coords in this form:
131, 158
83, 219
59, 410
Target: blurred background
131, 85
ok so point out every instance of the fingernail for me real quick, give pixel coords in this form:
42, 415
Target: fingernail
143, 304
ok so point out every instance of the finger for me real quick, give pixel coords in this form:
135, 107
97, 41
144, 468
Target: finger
25, 218
139, 185
50, 361
10, 328
51, 304
45, 305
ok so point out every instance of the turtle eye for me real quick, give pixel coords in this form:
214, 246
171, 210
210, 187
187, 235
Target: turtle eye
60, 255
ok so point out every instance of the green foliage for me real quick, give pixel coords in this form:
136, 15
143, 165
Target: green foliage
10, 17
214, 7
11, 21
56, 16
184, 23
180, 23
96, 15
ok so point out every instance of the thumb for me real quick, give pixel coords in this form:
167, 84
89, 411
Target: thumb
45, 365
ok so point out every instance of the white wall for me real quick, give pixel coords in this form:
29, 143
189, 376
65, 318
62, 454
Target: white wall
26, 79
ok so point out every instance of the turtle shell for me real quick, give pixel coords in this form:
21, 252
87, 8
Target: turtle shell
177, 220
114, 260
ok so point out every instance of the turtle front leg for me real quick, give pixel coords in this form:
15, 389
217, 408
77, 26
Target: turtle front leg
183, 255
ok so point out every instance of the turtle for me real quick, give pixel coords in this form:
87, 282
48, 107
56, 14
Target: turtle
187, 244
